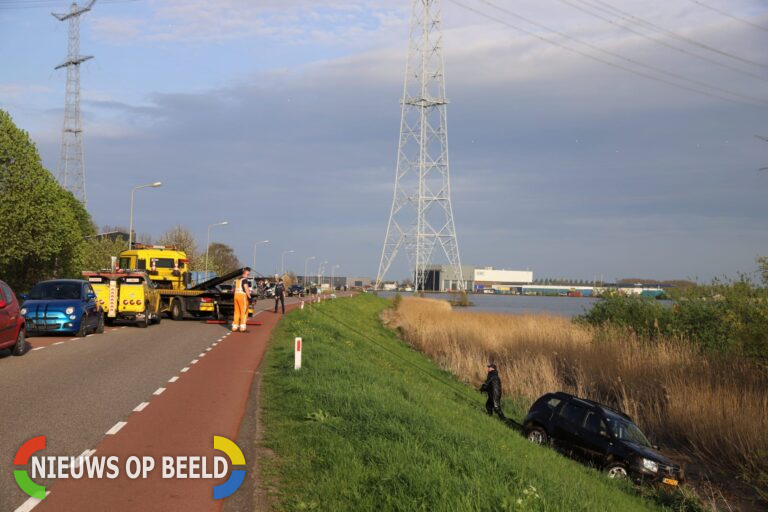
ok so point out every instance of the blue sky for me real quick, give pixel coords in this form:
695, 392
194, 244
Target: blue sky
282, 118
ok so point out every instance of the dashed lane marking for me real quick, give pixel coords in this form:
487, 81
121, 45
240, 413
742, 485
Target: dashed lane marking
30, 503
185, 369
59, 342
159, 391
114, 430
38, 348
173, 379
140, 407
194, 361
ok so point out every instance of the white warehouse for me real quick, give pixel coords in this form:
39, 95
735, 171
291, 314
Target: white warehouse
441, 278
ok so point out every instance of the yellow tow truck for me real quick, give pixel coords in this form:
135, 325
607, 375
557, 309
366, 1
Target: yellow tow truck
169, 270
127, 295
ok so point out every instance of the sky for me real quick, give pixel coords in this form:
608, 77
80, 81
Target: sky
282, 117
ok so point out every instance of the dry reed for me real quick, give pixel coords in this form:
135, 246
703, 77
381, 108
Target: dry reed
714, 410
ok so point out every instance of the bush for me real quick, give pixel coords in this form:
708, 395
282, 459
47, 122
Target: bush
729, 317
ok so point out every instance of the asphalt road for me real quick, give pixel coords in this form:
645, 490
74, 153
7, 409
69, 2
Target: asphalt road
74, 391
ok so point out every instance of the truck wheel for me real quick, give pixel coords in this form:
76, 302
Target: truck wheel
21, 344
81, 333
100, 325
617, 470
157, 318
537, 435
176, 312
144, 323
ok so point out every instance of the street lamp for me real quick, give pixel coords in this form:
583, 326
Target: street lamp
253, 267
133, 191
333, 272
208, 243
319, 274
304, 277
283, 260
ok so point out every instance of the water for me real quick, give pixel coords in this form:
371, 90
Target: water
564, 306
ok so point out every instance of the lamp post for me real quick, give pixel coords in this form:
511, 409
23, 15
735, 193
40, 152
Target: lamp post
133, 191
282, 261
253, 267
208, 243
319, 275
304, 277
333, 273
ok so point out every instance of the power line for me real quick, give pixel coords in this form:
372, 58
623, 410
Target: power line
679, 37
655, 40
13, 5
729, 15
656, 74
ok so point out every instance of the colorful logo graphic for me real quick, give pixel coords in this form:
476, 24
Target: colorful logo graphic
134, 467
238, 475
21, 475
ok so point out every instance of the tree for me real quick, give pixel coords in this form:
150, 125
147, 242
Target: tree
762, 263
222, 259
99, 251
182, 239
42, 226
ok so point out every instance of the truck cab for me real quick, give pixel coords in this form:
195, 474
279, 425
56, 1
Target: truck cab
166, 266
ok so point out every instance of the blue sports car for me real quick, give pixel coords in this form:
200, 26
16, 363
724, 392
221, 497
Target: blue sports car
62, 306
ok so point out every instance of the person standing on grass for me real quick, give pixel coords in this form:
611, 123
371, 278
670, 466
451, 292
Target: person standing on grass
280, 294
492, 386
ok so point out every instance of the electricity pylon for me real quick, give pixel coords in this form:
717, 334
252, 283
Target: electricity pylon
71, 163
421, 218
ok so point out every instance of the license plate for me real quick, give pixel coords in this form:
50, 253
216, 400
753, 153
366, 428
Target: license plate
670, 481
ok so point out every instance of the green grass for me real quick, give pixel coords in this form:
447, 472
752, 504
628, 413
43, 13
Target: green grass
370, 424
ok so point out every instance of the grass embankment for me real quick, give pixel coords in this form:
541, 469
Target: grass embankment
713, 407
369, 423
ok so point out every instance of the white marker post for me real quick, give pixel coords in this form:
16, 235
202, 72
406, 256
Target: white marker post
302, 304
297, 354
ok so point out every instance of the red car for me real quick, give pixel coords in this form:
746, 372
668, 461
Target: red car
12, 329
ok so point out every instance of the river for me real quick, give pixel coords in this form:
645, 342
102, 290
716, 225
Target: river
565, 306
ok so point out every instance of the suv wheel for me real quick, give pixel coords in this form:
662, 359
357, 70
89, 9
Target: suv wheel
100, 325
537, 435
617, 470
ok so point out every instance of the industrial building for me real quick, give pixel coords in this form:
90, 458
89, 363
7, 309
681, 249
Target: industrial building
443, 278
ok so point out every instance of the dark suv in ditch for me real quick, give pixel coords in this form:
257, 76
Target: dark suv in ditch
599, 435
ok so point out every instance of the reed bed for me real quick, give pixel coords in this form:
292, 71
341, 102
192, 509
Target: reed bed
715, 410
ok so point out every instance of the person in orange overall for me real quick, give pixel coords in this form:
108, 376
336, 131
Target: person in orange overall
242, 291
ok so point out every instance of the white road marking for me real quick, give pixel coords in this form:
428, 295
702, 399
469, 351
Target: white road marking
89, 335
185, 369
82, 457
208, 349
114, 430
173, 379
202, 354
215, 343
30, 503
38, 348
74, 339
59, 342
159, 391
140, 407
194, 361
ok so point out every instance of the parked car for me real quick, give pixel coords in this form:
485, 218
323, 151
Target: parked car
599, 435
296, 290
12, 327
62, 306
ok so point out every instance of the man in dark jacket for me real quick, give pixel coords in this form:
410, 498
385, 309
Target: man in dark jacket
492, 386
280, 295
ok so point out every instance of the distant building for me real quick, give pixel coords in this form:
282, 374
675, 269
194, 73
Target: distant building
442, 278
489, 278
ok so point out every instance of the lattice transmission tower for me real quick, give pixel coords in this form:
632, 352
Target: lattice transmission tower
421, 219
71, 162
